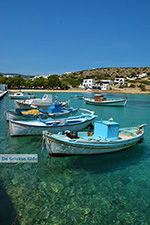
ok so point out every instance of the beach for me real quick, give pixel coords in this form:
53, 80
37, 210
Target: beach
79, 90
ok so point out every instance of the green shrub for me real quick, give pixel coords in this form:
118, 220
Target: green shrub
142, 87
132, 86
123, 86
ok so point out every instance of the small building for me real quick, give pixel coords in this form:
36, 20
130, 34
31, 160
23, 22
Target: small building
138, 76
142, 75
38, 76
97, 85
119, 81
104, 87
3, 87
88, 83
8, 75
67, 72
109, 82
132, 78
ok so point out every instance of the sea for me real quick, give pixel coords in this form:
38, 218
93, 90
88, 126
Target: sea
108, 189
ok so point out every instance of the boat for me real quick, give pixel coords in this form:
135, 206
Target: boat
55, 110
36, 127
22, 95
45, 101
102, 101
36, 103
106, 138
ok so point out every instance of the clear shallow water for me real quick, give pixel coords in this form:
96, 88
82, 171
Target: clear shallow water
104, 189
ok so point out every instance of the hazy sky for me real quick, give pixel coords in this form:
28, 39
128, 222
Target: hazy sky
57, 36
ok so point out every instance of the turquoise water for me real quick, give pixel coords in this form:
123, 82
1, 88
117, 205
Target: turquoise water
105, 189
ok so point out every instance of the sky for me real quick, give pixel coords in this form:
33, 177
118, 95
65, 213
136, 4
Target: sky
58, 36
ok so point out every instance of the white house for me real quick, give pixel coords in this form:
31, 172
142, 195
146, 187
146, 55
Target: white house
119, 81
38, 76
109, 82
67, 72
97, 85
8, 75
104, 87
142, 75
137, 76
88, 83
131, 78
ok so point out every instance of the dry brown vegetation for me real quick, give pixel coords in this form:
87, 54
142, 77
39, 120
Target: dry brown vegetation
109, 73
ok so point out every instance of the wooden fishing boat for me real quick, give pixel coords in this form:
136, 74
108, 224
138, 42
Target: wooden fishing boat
36, 127
43, 102
102, 101
54, 110
22, 95
106, 138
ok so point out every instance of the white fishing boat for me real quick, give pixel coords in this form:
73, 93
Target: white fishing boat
22, 95
102, 101
36, 103
106, 138
45, 101
36, 127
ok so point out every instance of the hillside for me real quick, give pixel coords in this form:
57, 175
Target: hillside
108, 73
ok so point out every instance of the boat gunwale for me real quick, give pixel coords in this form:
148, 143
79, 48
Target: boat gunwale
59, 125
13, 112
93, 147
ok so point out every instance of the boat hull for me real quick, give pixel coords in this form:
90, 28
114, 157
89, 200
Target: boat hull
117, 102
19, 129
61, 149
24, 105
12, 115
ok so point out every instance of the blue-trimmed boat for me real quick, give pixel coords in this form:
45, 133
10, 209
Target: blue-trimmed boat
106, 138
22, 95
36, 127
55, 110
